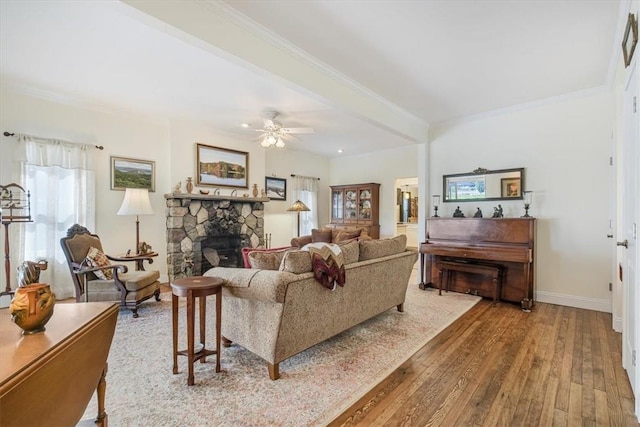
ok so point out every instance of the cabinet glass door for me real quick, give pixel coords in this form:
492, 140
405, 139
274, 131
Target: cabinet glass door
337, 204
351, 204
364, 204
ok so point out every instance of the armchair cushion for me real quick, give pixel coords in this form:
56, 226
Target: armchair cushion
96, 258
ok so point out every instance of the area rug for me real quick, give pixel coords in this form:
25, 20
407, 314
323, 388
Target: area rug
315, 386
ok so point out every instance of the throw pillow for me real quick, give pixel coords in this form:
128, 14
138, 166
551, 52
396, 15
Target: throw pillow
247, 251
370, 249
96, 258
320, 236
350, 251
266, 260
296, 262
346, 235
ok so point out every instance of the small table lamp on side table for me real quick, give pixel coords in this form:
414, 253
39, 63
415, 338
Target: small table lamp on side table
136, 202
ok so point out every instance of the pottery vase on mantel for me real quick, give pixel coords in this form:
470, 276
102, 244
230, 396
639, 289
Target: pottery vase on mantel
189, 185
32, 307
255, 190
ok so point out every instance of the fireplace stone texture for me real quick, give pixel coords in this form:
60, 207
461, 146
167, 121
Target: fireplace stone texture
194, 219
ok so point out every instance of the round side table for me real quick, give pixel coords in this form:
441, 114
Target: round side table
195, 287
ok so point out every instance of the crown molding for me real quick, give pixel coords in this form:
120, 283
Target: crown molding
521, 107
25, 89
268, 36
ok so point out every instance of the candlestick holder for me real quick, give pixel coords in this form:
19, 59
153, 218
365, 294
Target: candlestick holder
526, 199
436, 203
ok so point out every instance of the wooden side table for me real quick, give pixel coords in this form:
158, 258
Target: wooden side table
196, 287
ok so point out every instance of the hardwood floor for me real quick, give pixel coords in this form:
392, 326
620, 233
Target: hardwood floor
499, 366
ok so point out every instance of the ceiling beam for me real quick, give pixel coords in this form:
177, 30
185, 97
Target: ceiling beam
220, 29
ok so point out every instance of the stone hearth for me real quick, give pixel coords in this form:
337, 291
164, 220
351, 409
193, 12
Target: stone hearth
219, 226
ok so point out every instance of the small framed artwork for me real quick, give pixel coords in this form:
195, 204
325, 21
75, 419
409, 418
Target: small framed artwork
630, 39
276, 188
511, 187
221, 167
132, 173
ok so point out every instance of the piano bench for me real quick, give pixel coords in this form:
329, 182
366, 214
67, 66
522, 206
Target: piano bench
446, 267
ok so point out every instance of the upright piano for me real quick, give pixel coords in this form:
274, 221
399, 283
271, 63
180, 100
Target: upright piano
504, 242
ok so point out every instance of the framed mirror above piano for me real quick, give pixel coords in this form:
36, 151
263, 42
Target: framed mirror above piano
484, 184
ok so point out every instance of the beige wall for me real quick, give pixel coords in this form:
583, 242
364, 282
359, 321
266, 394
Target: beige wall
564, 147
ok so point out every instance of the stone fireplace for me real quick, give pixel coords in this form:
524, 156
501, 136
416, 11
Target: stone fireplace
205, 231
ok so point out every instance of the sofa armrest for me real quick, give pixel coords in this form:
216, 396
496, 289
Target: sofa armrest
256, 284
301, 241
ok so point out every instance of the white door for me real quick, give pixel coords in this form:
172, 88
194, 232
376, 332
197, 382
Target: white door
628, 237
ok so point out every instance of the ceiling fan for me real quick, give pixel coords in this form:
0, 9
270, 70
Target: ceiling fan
273, 133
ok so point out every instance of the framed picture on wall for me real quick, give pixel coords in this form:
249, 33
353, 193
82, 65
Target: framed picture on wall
630, 39
221, 167
132, 173
511, 187
276, 188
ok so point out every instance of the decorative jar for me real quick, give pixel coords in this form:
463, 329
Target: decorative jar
32, 307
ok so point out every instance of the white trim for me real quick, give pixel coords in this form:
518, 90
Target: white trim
617, 324
603, 305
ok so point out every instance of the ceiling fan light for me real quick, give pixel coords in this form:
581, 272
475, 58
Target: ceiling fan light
270, 139
265, 143
280, 143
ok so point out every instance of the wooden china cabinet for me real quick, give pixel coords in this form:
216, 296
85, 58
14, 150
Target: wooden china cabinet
356, 205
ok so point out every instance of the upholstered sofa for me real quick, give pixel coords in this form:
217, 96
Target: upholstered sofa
330, 234
279, 313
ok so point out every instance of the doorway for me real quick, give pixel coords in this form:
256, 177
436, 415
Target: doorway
406, 209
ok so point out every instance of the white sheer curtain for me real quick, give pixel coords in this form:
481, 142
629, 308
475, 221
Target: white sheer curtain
305, 189
58, 174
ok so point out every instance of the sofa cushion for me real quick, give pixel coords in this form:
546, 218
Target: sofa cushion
246, 251
350, 251
370, 249
267, 259
296, 262
96, 258
318, 236
343, 235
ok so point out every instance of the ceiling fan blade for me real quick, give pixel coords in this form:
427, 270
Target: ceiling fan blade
297, 130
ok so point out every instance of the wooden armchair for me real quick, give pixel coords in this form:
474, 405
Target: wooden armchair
117, 283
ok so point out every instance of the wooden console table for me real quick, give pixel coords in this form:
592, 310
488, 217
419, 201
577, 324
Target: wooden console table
50, 377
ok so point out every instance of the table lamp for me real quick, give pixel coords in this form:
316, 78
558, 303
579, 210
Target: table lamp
136, 202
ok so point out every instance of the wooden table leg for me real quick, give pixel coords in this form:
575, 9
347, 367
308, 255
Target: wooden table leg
203, 317
174, 314
190, 336
218, 327
101, 419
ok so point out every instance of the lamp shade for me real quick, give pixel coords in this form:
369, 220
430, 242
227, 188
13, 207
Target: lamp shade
298, 206
136, 202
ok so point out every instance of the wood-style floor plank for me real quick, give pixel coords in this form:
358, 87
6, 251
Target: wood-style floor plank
499, 366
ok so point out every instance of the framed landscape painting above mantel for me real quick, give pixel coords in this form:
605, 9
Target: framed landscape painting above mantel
132, 173
221, 167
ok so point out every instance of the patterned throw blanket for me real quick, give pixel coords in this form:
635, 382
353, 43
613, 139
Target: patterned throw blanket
328, 264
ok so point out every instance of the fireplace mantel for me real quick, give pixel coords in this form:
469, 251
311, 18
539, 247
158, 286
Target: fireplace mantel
195, 196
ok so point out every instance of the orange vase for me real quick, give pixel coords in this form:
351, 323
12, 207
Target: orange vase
32, 307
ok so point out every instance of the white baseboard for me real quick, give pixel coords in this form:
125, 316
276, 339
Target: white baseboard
617, 324
574, 301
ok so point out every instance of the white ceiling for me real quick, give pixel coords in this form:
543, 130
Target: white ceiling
421, 61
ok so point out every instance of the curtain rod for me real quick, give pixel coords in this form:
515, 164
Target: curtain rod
302, 176
38, 138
